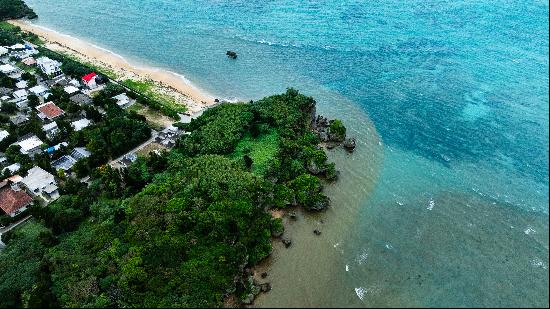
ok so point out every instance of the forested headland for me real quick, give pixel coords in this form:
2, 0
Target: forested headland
174, 229
14, 9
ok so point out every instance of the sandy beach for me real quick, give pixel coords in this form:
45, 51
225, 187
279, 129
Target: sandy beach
166, 82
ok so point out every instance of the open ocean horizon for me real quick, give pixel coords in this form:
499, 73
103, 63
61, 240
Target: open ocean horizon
445, 201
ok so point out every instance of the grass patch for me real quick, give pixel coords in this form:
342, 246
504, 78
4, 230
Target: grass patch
261, 150
94, 67
154, 119
148, 88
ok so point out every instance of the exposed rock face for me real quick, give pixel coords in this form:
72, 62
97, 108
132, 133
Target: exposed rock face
350, 144
276, 234
292, 215
321, 204
264, 275
314, 169
317, 232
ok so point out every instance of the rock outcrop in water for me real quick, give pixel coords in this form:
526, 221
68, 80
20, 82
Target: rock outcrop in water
332, 133
231, 54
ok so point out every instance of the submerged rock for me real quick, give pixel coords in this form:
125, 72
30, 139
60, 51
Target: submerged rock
317, 232
263, 275
287, 242
231, 54
265, 287
350, 144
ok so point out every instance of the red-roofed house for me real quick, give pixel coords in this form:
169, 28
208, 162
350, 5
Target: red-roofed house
49, 111
89, 80
13, 200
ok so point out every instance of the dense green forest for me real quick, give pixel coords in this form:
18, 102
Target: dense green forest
177, 228
13, 9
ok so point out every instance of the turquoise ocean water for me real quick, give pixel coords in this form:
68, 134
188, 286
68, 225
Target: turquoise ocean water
445, 202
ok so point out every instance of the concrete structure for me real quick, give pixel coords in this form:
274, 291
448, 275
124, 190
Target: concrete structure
71, 89
13, 200
81, 124
48, 66
41, 183
3, 134
30, 146
51, 129
39, 90
8, 69
123, 101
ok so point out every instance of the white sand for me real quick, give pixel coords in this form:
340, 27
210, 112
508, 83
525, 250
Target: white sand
166, 82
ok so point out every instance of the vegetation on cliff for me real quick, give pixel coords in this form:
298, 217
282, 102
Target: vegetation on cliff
173, 229
14, 9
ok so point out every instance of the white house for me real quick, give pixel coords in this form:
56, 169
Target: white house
12, 168
3, 51
20, 94
80, 124
3, 134
48, 66
22, 84
39, 90
30, 146
39, 182
71, 89
123, 101
8, 69
51, 129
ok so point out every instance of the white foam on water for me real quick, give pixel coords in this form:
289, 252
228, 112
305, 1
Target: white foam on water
529, 230
362, 258
389, 246
538, 263
431, 205
347, 267
360, 292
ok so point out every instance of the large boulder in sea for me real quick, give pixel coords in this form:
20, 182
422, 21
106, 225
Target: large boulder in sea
231, 54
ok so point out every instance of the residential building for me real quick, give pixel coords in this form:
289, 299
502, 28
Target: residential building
71, 89
49, 111
81, 99
80, 153
3, 51
19, 119
39, 90
64, 163
15, 167
13, 200
48, 66
30, 146
123, 101
22, 84
3, 134
80, 124
8, 69
41, 183
29, 61
20, 94
89, 80
51, 129
3, 159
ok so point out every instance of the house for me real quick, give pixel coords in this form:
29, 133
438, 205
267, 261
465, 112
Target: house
80, 124
22, 84
20, 94
41, 183
49, 111
13, 200
3, 51
8, 69
81, 99
12, 168
17, 46
29, 61
64, 163
71, 89
123, 101
19, 119
89, 80
39, 90
30, 146
80, 153
51, 129
3, 134
48, 66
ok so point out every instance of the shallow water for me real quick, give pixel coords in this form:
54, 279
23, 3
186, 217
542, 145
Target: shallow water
445, 202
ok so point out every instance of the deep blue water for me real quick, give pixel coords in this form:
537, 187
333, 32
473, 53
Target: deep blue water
457, 90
